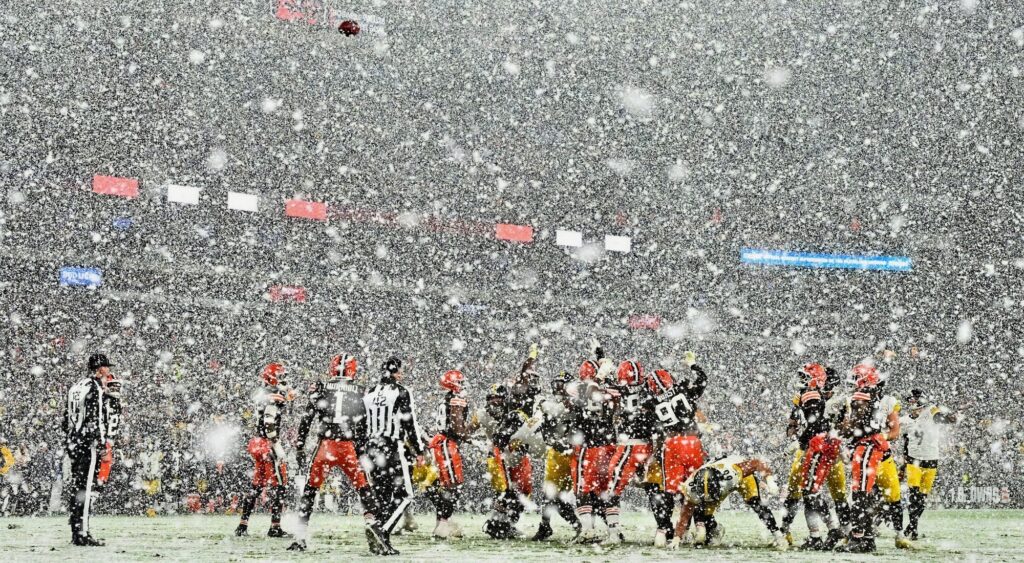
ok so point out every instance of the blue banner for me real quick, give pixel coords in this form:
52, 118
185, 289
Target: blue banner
123, 223
833, 261
71, 276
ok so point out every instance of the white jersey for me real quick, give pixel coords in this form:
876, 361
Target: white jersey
730, 477
926, 436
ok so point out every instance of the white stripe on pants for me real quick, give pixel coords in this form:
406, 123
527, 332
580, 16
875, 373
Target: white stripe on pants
88, 490
407, 483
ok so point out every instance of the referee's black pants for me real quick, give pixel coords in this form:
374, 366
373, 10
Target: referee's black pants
391, 479
84, 466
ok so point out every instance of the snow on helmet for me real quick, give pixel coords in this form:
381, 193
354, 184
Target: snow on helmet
866, 375
814, 375
705, 485
274, 374
588, 370
630, 372
452, 381
660, 381
343, 365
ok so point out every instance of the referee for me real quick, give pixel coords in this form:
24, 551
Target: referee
85, 429
391, 433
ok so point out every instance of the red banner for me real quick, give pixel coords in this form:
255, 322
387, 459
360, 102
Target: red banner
114, 185
290, 293
515, 233
644, 322
306, 209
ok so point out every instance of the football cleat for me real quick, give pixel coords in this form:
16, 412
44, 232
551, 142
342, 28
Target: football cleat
902, 542
442, 530
543, 532
456, 530
615, 537
87, 540
299, 545
376, 539
591, 535
789, 538
813, 544
660, 539
834, 538
277, 532
858, 545
700, 534
780, 541
717, 535
242, 530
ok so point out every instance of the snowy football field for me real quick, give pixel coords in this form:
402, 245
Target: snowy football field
950, 535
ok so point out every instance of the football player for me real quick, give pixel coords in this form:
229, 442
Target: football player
267, 450
508, 465
820, 464
509, 410
636, 425
337, 404
705, 490
924, 432
454, 427
555, 427
676, 408
594, 409
872, 423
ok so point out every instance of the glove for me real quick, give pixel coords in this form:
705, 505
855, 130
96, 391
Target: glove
675, 543
792, 447
690, 358
595, 348
605, 370
771, 487
534, 351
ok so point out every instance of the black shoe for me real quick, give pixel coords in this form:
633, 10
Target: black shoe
242, 530
544, 532
87, 540
833, 539
299, 545
859, 545
813, 544
387, 548
376, 539
277, 532
911, 534
499, 530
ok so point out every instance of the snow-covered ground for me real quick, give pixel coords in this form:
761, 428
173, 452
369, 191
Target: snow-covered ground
950, 535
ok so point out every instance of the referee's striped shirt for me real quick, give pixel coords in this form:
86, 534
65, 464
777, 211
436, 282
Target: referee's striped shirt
389, 414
